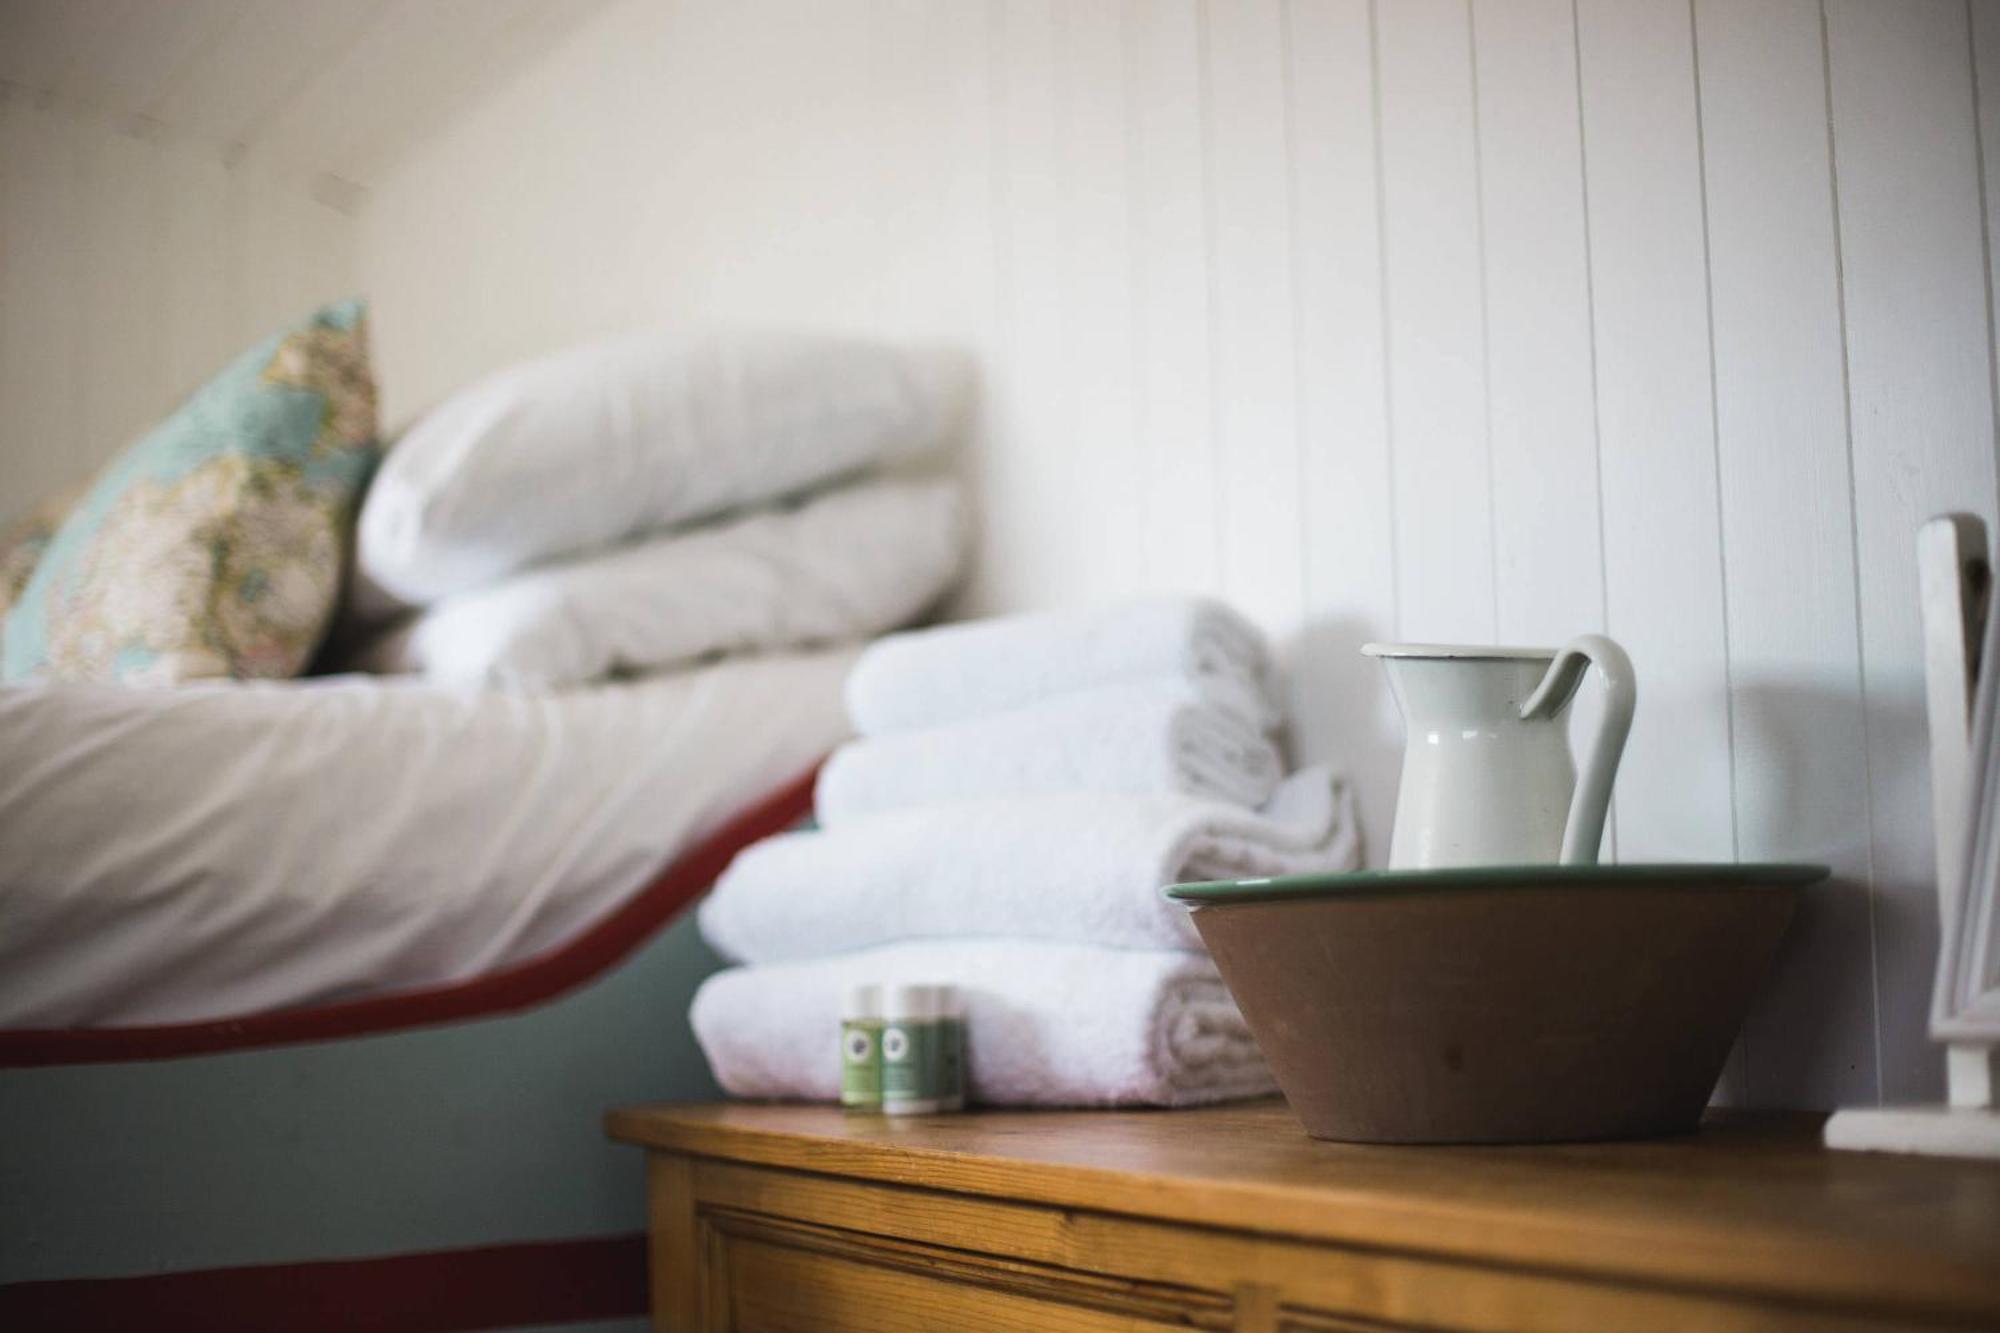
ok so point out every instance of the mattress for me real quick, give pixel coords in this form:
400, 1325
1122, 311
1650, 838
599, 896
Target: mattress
230, 849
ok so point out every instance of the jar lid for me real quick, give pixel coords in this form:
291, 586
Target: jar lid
911, 1002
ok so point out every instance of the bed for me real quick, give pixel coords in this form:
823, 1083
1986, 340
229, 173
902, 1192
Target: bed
471, 892
283, 845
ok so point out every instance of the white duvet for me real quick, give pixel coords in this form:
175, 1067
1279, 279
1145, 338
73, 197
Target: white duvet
219, 850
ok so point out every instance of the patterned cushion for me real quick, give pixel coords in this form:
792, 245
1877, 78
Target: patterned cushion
213, 546
22, 543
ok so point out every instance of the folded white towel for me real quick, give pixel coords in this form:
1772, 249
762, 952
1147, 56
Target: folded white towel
844, 565
953, 672
1156, 736
1081, 867
1047, 1024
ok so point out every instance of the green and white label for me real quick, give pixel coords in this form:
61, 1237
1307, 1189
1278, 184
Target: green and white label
861, 1062
909, 1062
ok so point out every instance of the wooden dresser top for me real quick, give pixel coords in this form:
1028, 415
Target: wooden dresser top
1753, 1201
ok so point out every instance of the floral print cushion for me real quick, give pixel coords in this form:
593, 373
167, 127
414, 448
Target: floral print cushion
213, 546
21, 545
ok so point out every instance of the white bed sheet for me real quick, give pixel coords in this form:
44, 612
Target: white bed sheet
220, 850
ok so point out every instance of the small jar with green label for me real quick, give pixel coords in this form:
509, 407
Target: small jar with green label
910, 1065
861, 1049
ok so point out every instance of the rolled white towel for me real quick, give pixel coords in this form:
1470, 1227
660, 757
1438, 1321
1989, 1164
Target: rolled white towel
953, 672
1155, 736
1079, 867
846, 564
1047, 1024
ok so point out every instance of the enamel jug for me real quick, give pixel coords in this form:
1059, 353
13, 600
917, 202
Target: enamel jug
1487, 773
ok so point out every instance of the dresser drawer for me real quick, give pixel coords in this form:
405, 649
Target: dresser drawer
795, 1217
770, 1276
763, 1250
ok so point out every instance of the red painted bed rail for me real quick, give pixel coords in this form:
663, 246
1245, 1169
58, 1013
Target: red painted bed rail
492, 1286
518, 986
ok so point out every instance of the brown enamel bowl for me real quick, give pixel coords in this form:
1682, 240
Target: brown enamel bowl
1522, 1004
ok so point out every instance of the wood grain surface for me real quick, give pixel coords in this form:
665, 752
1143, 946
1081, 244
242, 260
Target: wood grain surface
1752, 1207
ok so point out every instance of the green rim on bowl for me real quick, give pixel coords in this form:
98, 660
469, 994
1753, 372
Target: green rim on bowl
1362, 883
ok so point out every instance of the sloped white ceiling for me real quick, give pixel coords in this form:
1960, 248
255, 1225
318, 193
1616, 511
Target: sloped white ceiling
335, 87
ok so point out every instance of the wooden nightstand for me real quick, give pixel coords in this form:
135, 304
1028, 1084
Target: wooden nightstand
802, 1218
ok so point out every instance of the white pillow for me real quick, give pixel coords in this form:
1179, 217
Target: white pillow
599, 444
847, 565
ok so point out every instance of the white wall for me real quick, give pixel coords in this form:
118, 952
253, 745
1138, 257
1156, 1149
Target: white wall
1412, 319
133, 265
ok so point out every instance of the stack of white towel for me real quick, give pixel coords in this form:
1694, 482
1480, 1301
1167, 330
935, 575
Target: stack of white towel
1021, 791
642, 504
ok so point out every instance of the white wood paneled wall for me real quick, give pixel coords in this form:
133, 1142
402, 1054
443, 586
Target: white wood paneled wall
1422, 319
133, 265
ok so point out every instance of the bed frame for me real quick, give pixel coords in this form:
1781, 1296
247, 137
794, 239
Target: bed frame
461, 1117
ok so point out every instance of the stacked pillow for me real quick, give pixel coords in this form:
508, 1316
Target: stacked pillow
645, 503
213, 546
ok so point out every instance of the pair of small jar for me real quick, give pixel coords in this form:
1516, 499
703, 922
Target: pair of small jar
902, 1049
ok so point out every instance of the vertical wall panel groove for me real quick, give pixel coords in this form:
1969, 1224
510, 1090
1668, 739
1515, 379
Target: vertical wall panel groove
1146, 459
1174, 491
983, 460
1444, 551
1485, 307
1340, 709
1609, 850
1854, 538
1910, 224
1982, 18
1382, 281
1548, 559
1204, 82
1734, 1088
1780, 410
1544, 510
1027, 479
1255, 390
1103, 445
1662, 536
1714, 424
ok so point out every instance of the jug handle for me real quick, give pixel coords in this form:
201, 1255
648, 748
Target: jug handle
1587, 808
